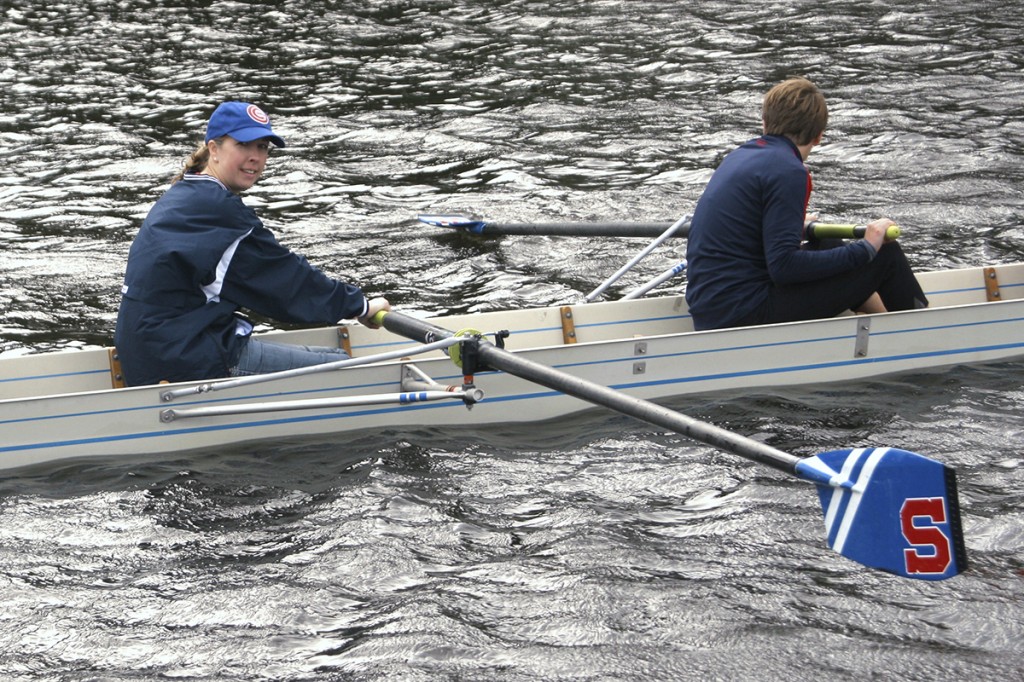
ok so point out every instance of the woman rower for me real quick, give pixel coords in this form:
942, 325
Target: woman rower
201, 255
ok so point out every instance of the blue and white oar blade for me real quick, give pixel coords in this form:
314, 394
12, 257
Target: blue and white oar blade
890, 509
457, 222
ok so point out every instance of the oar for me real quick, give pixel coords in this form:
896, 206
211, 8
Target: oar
610, 229
617, 229
885, 508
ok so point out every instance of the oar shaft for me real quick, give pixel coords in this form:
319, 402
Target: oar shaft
650, 230
635, 407
601, 229
506, 361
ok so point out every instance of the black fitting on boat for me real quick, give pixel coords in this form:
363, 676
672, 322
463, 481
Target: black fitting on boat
469, 353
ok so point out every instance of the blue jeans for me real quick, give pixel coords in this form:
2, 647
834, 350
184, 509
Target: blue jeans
261, 357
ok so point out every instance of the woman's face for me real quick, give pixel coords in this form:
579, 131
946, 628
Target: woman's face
238, 164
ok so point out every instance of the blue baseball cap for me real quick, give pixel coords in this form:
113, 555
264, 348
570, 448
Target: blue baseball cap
242, 121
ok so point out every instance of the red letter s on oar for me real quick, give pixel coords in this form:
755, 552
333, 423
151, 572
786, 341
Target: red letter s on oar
925, 536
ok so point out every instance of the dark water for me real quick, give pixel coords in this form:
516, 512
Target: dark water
594, 549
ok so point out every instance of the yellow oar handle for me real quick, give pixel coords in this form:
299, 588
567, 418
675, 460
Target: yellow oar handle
453, 352
839, 231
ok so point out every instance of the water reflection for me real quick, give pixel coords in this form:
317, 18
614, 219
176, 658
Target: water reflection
479, 559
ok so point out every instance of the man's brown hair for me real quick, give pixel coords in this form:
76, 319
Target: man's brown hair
795, 108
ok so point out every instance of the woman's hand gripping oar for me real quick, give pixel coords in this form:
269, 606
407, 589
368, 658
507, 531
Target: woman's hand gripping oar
885, 508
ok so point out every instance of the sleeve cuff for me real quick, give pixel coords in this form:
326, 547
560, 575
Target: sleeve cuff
870, 249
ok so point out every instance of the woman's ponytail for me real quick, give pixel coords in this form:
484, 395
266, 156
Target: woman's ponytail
196, 163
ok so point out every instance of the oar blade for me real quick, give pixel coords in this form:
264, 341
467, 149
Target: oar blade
890, 509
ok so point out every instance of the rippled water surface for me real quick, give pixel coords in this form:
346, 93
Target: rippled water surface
592, 549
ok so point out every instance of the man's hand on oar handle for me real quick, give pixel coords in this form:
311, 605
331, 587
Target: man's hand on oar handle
374, 310
879, 232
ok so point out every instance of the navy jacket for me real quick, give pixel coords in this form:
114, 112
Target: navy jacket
746, 232
200, 255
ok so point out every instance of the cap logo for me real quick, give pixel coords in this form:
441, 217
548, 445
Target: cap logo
256, 114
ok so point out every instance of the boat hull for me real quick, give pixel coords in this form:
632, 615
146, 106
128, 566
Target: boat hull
58, 406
